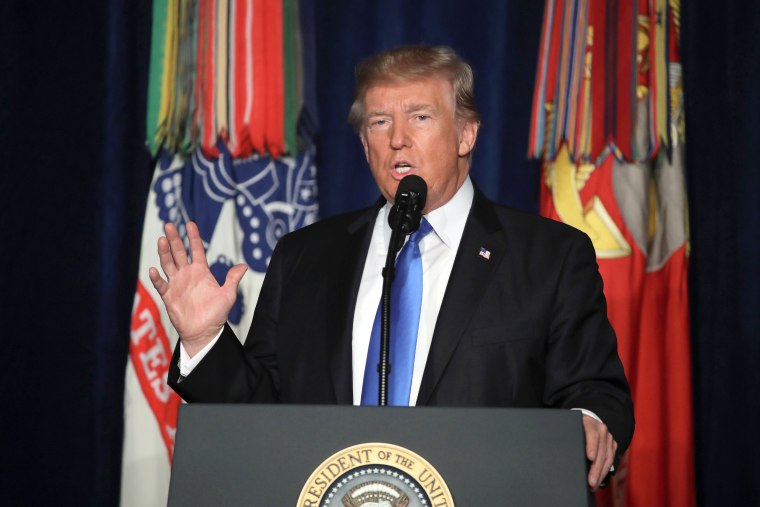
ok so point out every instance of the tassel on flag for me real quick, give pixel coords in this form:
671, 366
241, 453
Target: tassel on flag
224, 71
585, 91
204, 92
221, 90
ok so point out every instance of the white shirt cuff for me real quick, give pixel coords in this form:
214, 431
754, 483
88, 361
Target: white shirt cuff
586, 412
187, 363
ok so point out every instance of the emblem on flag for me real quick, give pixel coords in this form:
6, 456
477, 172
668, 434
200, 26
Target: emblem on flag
484, 253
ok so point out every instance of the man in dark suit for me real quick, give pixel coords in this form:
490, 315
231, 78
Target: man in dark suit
512, 311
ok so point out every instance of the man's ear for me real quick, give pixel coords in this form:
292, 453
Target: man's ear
364, 144
467, 137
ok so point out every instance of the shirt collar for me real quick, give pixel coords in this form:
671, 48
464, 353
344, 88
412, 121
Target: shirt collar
448, 221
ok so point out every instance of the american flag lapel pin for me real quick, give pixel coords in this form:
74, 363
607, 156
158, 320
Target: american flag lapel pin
484, 253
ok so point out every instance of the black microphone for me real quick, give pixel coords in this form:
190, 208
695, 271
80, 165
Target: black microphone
406, 213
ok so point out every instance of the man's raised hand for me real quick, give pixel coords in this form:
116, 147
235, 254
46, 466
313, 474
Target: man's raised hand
196, 304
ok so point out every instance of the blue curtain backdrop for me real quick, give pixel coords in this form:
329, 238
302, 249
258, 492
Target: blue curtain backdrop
75, 180
722, 91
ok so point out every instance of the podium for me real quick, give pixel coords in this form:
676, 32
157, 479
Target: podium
306, 456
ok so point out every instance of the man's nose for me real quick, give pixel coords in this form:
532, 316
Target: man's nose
400, 135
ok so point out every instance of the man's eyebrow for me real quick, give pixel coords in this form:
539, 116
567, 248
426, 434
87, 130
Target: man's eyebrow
410, 108
419, 107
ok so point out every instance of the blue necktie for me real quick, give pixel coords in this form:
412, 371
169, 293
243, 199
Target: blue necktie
406, 301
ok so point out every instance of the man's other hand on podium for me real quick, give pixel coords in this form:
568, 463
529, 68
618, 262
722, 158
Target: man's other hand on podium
600, 450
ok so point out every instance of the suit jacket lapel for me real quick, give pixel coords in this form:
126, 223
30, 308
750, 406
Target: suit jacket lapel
344, 278
469, 276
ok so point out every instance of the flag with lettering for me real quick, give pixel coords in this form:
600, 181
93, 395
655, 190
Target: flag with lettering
230, 122
242, 207
608, 122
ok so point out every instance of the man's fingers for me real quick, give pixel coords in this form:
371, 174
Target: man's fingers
178, 253
592, 428
197, 251
592, 445
166, 258
611, 450
596, 473
159, 283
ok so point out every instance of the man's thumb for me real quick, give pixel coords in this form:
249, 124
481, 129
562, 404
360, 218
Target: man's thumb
235, 274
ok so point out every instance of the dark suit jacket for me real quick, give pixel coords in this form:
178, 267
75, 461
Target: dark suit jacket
526, 328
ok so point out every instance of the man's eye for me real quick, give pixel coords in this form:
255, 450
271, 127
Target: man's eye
378, 123
423, 117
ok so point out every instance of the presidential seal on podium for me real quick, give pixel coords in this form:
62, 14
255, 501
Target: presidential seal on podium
375, 475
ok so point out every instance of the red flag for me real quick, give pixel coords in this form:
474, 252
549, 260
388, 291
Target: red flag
635, 212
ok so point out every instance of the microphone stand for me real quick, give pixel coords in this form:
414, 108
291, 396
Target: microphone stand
404, 219
389, 273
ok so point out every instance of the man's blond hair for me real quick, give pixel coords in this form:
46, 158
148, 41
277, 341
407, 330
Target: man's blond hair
410, 63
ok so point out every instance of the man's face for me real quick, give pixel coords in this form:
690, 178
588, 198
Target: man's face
411, 128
